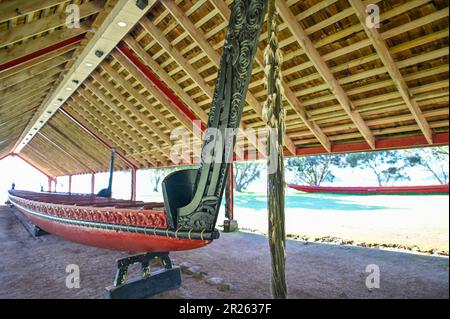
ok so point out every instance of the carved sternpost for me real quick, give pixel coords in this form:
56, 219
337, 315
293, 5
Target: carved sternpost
274, 115
233, 78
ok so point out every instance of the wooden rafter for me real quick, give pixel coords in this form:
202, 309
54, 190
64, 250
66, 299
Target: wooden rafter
14, 9
320, 65
66, 151
136, 143
18, 52
155, 67
124, 115
104, 132
50, 22
199, 38
382, 49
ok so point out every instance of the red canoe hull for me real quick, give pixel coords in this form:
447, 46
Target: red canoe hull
46, 215
427, 189
114, 240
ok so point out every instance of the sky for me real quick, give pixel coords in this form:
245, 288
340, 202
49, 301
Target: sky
14, 169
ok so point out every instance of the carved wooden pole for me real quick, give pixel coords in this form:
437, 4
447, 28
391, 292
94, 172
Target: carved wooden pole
230, 224
274, 115
133, 183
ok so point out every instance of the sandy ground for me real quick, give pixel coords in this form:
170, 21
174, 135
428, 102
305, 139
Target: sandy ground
35, 268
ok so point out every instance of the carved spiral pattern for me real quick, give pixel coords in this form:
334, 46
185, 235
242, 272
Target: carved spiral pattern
238, 54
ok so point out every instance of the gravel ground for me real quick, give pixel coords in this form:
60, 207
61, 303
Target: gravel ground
35, 268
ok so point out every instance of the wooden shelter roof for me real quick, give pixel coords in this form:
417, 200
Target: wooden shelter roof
347, 87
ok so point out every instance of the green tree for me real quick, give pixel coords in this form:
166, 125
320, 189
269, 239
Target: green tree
433, 159
245, 173
158, 174
313, 170
387, 166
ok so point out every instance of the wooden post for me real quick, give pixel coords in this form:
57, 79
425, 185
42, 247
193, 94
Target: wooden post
70, 184
49, 184
55, 179
133, 183
274, 116
230, 224
93, 183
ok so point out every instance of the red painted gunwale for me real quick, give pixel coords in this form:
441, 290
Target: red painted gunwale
39, 213
425, 189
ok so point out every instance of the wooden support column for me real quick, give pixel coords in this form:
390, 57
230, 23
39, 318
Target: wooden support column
230, 224
49, 184
274, 115
133, 183
93, 183
55, 180
70, 184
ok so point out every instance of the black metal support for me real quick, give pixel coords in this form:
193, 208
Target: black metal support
151, 283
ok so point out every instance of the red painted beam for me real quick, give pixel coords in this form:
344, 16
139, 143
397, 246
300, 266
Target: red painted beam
155, 81
5, 156
41, 52
393, 143
98, 138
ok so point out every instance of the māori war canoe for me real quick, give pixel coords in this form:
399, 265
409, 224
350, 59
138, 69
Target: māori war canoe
192, 197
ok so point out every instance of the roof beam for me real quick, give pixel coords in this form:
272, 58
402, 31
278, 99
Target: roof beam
129, 140
38, 47
11, 9
135, 94
136, 112
28, 30
18, 96
104, 132
27, 74
24, 92
125, 116
320, 65
385, 56
42, 159
66, 152
212, 54
119, 21
125, 58
96, 137
164, 76
198, 79
37, 61
170, 82
73, 144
